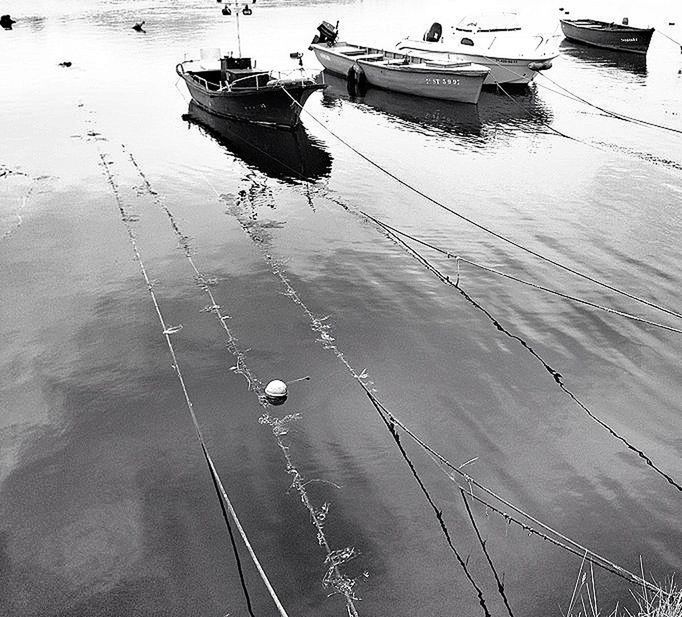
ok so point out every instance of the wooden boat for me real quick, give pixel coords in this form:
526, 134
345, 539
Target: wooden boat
237, 90
620, 37
499, 41
437, 79
231, 87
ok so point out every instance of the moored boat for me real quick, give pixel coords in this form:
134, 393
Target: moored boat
404, 73
608, 35
238, 91
498, 41
231, 86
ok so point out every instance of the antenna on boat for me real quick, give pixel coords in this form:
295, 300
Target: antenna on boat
234, 5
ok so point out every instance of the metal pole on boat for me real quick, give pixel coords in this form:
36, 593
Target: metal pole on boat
239, 39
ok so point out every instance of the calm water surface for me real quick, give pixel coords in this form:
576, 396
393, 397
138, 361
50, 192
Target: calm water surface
106, 506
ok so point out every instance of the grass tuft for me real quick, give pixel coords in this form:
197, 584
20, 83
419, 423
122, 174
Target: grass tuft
666, 602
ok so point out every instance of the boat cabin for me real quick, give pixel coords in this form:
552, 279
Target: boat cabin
233, 72
239, 73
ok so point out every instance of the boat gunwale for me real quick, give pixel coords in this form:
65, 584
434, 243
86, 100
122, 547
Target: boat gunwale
415, 63
595, 25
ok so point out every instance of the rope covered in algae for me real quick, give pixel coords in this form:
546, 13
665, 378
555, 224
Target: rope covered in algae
322, 327
168, 331
334, 558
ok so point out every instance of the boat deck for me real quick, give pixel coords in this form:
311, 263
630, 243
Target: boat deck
391, 58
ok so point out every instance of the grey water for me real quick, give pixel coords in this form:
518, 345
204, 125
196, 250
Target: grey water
106, 503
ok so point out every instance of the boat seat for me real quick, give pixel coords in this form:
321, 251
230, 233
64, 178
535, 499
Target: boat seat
446, 64
350, 51
370, 57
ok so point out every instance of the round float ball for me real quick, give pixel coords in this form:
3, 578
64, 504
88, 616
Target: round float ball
276, 392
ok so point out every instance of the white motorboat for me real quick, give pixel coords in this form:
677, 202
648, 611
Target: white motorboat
512, 53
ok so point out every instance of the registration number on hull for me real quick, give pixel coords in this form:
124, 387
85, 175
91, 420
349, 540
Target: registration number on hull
442, 81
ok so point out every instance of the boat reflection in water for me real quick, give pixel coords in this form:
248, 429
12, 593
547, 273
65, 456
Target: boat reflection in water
606, 58
456, 118
495, 110
290, 155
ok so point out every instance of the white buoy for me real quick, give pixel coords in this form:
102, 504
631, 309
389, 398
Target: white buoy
276, 392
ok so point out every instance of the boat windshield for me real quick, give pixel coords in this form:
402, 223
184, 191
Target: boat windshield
490, 22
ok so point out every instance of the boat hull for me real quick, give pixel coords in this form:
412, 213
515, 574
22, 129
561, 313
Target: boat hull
608, 36
278, 105
427, 82
460, 84
503, 70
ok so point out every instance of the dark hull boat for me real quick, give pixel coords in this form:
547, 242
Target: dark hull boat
289, 155
620, 37
239, 92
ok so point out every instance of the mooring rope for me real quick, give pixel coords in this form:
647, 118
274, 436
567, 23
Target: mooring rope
613, 114
558, 378
568, 544
334, 558
669, 38
585, 101
459, 258
323, 328
438, 512
483, 227
168, 331
482, 542
318, 325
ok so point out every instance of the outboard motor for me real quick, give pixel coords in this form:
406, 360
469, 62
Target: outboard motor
328, 33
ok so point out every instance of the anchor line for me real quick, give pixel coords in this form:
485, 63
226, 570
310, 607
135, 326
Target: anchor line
548, 125
322, 327
334, 558
482, 542
167, 332
485, 229
459, 258
216, 485
600, 146
439, 513
328, 343
563, 542
558, 378
669, 38
608, 112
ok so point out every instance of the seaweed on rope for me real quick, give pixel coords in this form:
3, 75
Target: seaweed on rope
532, 525
334, 578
